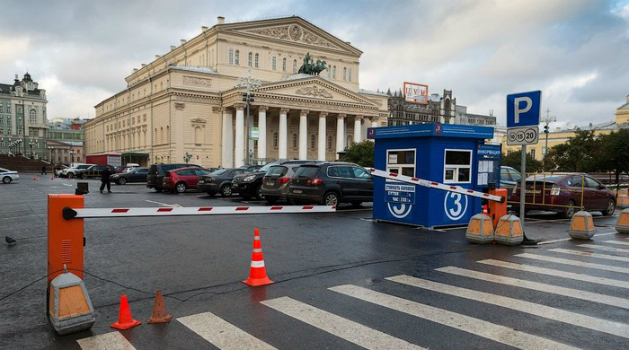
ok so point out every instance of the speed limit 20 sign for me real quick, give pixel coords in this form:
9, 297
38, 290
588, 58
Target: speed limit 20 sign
527, 135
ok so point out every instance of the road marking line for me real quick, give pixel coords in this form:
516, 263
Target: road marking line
164, 204
556, 273
604, 248
541, 287
617, 242
67, 185
478, 327
338, 326
572, 318
107, 341
574, 263
568, 239
589, 254
221, 333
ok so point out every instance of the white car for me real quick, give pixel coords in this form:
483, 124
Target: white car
58, 171
7, 176
75, 170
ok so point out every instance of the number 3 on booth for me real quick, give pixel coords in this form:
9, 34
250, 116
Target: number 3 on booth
455, 205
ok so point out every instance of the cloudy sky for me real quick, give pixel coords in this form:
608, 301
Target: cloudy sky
575, 51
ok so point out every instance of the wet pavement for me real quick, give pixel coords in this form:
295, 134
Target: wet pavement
331, 273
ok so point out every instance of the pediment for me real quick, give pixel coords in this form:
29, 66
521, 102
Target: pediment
315, 88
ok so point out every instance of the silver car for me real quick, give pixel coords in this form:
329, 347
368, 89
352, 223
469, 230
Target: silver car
7, 176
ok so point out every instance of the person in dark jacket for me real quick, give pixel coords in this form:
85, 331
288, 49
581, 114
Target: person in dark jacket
105, 174
43, 170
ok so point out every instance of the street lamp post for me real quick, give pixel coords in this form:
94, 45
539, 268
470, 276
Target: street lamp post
547, 120
249, 84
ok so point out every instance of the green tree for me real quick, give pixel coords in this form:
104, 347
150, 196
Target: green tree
513, 159
612, 154
360, 153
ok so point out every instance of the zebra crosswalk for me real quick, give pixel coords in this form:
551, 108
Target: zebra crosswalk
574, 306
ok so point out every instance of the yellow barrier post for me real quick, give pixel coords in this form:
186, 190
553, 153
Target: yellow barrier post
582, 226
509, 230
622, 223
480, 229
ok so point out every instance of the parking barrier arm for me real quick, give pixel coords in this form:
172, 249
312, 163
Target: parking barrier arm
436, 185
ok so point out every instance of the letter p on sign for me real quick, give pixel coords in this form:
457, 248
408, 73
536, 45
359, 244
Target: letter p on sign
523, 109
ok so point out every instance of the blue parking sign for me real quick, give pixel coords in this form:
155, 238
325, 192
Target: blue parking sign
523, 109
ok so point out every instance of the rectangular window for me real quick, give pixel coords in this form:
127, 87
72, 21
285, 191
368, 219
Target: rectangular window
402, 161
457, 164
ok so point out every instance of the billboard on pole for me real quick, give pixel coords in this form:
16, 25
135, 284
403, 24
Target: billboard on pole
416, 93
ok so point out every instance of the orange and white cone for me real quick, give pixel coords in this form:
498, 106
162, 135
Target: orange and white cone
257, 270
485, 210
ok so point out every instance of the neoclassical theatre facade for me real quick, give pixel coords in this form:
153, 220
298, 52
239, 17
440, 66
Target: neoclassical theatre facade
186, 103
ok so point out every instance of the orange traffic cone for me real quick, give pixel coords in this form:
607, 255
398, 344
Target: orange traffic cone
125, 321
159, 310
52, 177
257, 270
34, 178
485, 210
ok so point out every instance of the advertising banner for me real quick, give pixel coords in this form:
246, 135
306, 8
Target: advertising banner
416, 93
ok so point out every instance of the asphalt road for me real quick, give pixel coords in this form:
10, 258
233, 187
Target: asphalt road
341, 280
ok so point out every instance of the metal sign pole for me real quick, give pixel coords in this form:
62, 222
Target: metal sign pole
522, 205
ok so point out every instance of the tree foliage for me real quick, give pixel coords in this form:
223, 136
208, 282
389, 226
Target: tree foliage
513, 159
361, 153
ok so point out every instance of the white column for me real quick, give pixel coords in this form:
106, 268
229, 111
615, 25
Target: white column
374, 122
357, 128
239, 146
321, 137
262, 132
227, 154
282, 134
303, 134
341, 133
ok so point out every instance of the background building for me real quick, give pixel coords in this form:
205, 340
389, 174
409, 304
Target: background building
23, 121
186, 103
65, 140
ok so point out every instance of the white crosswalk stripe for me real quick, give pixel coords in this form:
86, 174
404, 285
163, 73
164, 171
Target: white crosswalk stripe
541, 287
498, 333
573, 262
572, 318
589, 254
617, 242
556, 273
222, 334
343, 328
107, 341
604, 248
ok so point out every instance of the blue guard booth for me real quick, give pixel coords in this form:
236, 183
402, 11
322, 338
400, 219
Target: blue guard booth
444, 153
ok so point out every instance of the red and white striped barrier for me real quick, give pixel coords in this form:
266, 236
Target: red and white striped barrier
436, 185
69, 213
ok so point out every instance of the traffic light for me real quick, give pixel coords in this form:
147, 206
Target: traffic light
248, 100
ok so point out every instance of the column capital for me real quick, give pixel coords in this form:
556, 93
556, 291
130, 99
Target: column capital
304, 112
284, 110
240, 106
358, 117
341, 115
263, 108
323, 114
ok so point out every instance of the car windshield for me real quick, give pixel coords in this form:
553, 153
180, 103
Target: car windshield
84, 166
277, 170
552, 178
219, 172
267, 166
3, 169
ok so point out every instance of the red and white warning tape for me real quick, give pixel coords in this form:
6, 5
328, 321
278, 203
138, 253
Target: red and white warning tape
69, 213
436, 185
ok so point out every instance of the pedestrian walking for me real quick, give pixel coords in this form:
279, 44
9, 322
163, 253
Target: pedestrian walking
43, 170
105, 174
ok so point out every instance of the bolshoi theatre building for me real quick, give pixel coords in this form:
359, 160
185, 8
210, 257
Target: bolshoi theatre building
188, 102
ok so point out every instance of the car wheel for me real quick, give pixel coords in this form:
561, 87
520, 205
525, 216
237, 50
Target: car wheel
226, 190
331, 199
84, 176
271, 200
568, 212
180, 187
7, 180
122, 181
70, 175
610, 208
259, 194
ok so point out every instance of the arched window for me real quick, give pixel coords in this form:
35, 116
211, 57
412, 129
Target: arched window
155, 137
294, 66
330, 142
312, 141
237, 58
273, 63
349, 74
334, 72
249, 59
198, 136
256, 61
161, 134
275, 140
168, 134
32, 117
284, 64
344, 73
295, 139
231, 56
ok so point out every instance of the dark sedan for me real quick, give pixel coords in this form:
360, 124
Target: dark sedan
219, 181
133, 175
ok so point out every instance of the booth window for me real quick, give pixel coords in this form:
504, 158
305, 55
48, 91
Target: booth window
457, 164
402, 161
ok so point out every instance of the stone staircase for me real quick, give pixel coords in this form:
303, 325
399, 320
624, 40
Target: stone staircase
23, 164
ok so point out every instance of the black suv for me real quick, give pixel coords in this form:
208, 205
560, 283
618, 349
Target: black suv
331, 184
219, 181
157, 172
250, 185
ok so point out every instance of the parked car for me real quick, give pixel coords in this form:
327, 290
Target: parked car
180, 180
275, 183
252, 168
565, 193
134, 175
58, 169
75, 170
93, 171
8, 176
510, 178
250, 185
331, 183
158, 171
219, 181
